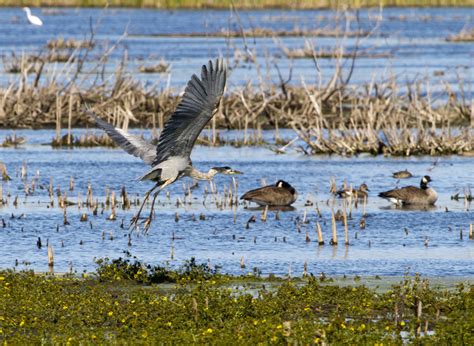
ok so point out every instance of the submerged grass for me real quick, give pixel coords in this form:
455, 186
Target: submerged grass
120, 305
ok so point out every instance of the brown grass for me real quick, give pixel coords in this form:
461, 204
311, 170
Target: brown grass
463, 36
264, 32
378, 117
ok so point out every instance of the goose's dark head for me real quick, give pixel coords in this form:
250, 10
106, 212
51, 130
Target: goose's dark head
424, 181
284, 185
364, 187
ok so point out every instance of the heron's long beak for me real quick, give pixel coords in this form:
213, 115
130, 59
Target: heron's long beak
233, 172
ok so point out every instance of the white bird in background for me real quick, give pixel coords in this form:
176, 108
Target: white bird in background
32, 19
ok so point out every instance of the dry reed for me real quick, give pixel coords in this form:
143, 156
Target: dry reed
377, 117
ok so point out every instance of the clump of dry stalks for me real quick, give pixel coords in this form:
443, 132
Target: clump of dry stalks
380, 117
62, 43
161, 67
464, 35
266, 32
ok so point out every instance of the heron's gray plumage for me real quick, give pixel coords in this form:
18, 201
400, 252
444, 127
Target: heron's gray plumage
201, 97
134, 145
170, 160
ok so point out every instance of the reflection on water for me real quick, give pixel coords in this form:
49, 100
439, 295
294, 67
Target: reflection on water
432, 242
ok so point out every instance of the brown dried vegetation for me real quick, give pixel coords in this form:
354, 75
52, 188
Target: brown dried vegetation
380, 117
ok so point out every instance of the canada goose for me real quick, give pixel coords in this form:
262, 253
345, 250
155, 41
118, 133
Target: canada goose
280, 194
412, 195
402, 174
362, 192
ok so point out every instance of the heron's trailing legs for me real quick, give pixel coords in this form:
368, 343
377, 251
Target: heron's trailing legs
135, 219
147, 222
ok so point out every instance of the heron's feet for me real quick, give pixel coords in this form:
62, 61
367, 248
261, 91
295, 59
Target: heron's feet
134, 222
146, 224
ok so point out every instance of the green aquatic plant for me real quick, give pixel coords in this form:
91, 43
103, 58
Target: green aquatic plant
54, 309
130, 268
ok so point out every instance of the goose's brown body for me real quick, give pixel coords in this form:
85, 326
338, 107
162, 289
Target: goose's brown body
412, 195
280, 194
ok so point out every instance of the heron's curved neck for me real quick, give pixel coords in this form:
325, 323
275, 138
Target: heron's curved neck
195, 174
28, 11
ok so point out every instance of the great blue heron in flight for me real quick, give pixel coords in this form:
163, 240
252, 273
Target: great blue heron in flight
170, 159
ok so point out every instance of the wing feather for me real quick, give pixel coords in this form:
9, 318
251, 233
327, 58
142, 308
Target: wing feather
201, 97
134, 145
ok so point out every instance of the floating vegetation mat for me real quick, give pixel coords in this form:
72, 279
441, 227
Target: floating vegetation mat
129, 302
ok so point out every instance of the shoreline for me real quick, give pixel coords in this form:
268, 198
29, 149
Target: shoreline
225, 5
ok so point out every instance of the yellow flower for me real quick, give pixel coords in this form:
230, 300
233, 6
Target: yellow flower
94, 337
22, 323
307, 309
2, 278
279, 326
255, 323
343, 326
168, 324
209, 331
316, 340
65, 307
111, 313
402, 323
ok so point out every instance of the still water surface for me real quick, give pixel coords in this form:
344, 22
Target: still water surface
413, 38
393, 242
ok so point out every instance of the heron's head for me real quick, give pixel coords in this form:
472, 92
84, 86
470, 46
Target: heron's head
224, 170
364, 187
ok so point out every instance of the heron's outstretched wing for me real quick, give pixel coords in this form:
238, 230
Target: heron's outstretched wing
134, 145
201, 97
